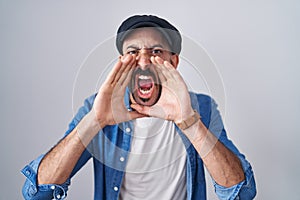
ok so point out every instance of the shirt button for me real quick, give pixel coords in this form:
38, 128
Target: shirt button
116, 189
122, 159
127, 129
58, 196
32, 190
27, 172
52, 187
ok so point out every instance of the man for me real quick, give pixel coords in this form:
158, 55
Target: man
148, 136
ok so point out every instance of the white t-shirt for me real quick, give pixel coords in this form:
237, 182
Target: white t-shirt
156, 166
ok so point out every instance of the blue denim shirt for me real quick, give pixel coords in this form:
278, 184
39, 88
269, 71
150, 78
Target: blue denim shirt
110, 148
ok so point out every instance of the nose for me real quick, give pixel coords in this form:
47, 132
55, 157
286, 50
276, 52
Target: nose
143, 59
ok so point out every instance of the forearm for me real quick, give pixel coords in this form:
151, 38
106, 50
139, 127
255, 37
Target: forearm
222, 164
58, 163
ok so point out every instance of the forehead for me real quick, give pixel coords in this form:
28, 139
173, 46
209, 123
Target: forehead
145, 37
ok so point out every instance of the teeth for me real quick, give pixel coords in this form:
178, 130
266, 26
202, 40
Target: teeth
144, 77
144, 91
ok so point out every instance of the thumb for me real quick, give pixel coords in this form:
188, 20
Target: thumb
135, 115
144, 110
153, 111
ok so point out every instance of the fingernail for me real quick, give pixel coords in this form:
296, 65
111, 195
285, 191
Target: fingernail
134, 57
126, 58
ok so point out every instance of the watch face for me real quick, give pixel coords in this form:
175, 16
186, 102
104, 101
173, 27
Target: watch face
145, 86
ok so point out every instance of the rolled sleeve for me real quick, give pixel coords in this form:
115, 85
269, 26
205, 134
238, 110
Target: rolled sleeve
32, 191
245, 190
228, 193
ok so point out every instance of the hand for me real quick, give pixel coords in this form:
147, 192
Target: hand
174, 103
109, 106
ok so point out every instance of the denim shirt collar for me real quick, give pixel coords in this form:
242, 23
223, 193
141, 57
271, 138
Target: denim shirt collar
127, 99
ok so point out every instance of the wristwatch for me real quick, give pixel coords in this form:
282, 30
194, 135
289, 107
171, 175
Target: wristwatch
189, 121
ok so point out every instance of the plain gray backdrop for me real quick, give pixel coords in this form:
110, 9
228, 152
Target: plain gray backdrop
254, 44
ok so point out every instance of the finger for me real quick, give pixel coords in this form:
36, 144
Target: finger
153, 111
165, 64
165, 69
129, 62
168, 69
132, 99
145, 110
126, 76
159, 60
124, 66
169, 66
161, 75
164, 72
112, 75
124, 60
175, 72
134, 115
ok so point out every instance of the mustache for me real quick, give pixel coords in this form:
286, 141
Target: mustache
146, 72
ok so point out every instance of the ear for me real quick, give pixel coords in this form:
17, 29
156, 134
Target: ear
175, 60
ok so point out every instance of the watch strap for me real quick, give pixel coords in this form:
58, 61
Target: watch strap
189, 121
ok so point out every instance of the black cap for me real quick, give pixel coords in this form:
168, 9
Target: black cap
171, 34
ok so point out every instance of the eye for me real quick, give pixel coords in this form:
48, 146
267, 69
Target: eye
157, 51
132, 52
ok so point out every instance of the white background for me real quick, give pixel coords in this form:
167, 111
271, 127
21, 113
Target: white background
254, 44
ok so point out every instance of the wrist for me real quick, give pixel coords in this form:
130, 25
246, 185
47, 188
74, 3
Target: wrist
188, 121
97, 119
88, 127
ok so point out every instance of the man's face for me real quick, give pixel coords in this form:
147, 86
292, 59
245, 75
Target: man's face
145, 85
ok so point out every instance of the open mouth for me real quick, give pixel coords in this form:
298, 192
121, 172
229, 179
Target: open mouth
145, 87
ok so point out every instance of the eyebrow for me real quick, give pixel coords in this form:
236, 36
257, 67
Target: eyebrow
152, 47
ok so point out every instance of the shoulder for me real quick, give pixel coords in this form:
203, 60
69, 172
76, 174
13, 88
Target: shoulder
200, 100
82, 111
201, 97
89, 101
86, 107
204, 104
